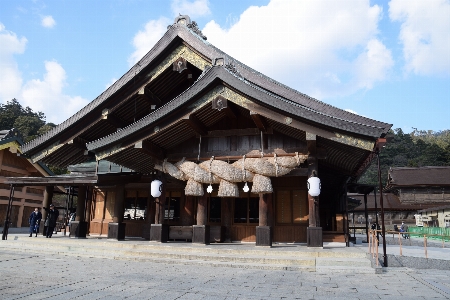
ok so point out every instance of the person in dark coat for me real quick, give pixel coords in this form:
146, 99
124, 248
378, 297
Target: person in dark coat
50, 222
34, 220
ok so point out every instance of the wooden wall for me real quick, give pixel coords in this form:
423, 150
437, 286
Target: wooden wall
241, 144
25, 198
243, 233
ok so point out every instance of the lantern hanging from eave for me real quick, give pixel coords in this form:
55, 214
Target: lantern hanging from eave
314, 186
156, 188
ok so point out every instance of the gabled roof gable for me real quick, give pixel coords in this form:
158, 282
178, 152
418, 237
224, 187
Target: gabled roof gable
183, 30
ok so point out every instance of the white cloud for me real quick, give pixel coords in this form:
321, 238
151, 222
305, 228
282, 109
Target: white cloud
196, 8
47, 95
145, 39
322, 48
48, 22
10, 76
424, 33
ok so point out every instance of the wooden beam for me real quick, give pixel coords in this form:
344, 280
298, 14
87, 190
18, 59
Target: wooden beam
258, 120
237, 132
78, 143
297, 172
361, 143
195, 124
151, 149
230, 112
112, 120
149, 96
227, 155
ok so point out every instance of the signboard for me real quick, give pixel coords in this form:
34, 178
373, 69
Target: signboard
419, 220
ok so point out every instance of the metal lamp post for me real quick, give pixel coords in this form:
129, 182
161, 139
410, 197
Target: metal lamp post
383, 230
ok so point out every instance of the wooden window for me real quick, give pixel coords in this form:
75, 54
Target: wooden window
246, 210
172, 206
291, 206
135, 205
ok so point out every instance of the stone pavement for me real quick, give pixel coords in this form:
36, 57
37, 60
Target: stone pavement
38, 275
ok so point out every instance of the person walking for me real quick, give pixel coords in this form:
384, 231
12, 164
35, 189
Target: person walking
50, 222
404, 228
34, 220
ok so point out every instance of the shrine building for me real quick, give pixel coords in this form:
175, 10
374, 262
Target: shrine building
225, 150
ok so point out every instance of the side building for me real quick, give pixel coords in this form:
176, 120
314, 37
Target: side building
427, 188
12, 164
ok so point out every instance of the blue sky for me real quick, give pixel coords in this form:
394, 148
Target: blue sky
386, 60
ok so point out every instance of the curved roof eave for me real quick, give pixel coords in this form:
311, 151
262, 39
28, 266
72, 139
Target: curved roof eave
247, 88
170, 35
213, 53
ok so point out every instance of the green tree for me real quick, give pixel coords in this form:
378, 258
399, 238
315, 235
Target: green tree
14, 115
28, 126
45, 128
417, 149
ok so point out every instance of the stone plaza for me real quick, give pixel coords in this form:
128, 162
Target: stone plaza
33, 271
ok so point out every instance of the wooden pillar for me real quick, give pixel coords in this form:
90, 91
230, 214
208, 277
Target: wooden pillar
90, 194
48, 196
151, 210
81, 203
314, 231
202, 208
149, 217
118, 205
312, 169
159, 232
201, 231
157, 210
160, 203
78, 228
263, 231
263, 221
366, 216
116, 229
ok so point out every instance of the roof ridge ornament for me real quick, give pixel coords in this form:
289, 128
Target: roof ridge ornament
232, 68
192, 25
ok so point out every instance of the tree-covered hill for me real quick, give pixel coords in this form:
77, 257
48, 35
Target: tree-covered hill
416, 149
30, 124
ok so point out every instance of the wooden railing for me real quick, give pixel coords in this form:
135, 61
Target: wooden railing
373, 242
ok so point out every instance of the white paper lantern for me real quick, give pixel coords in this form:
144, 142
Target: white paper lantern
156, 188
314, 186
